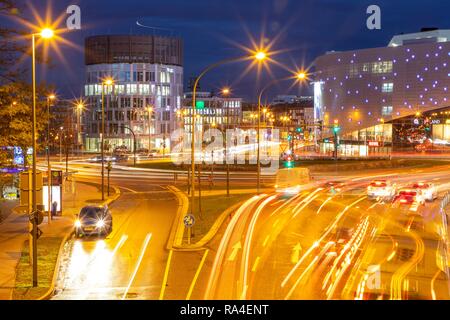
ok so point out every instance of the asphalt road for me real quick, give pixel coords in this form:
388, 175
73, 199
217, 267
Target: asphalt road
287, 247
274, 247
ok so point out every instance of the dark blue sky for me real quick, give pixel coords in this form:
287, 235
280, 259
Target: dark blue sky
306, 28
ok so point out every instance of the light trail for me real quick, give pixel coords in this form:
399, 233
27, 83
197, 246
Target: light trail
223, 243
247, 244
194, 281
138, 264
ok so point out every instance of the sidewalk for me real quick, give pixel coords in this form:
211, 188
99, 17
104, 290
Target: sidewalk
14, 231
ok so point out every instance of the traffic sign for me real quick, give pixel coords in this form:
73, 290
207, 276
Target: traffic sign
40, 217
39, 233
189, 220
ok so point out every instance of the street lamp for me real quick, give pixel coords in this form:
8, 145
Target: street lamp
226, 92
80, 107
300, 76
45, 34
150, 112
50, 98
258, 56
105, 82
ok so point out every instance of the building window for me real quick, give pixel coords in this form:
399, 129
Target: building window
386, 111
166, 116
387, 87
382, 67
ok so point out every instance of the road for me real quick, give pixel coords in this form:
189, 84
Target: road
274, 247
132, 262
287, 247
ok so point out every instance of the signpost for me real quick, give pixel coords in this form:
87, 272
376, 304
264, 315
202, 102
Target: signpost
189, 221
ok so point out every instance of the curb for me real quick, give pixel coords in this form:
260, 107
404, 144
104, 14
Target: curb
51, 290
175, 241
212, 232
177, 231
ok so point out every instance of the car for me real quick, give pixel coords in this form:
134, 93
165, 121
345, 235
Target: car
410, 196
381, 189
93, 220
429, 190
335, 186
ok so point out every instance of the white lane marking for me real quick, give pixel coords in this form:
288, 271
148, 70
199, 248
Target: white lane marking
141, 256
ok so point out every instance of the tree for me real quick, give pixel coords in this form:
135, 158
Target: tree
10, 46
16, 117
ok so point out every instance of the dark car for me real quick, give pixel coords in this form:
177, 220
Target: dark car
93, 220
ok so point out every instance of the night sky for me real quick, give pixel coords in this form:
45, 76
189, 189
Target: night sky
305, 29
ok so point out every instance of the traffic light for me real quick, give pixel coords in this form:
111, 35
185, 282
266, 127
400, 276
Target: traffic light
299, 129
289, 138
199, 104
336, 127
289, 164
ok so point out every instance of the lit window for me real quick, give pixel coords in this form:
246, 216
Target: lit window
387, 87
387, 111
382, 67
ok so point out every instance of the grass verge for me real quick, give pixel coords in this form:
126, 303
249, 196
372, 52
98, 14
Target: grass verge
212, 208
48, 249
314, 165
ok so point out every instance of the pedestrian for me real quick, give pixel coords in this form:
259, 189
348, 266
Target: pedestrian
54, 208
211, 181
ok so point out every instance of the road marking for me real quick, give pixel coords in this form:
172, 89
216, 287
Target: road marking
266, 240
166, 276
255, 265
236, 248
144, 247
194, 281
323, 204
296, 253
131, 190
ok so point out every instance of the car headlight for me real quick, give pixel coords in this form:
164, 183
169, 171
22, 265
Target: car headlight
78, 223
100, 224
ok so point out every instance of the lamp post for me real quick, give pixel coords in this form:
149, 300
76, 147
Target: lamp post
80, 107
258, 56
50, 98
44, 34
300, 76
150, 112
226, 92
105, 82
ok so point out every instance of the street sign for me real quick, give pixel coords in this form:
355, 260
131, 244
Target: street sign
189, 220
39, 233
40, 217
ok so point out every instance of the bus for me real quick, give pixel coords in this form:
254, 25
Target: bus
291, 180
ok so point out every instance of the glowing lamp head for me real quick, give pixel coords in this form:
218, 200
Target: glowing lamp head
47, 33
52, 97
225, 91
260, 55
301, 76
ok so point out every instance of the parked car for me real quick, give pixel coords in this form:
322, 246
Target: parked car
410, 196
383, 189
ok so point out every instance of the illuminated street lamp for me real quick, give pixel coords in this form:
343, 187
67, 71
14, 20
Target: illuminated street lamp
258, 56
50, 98
150, 112
45, 34
105, 82
226, 92
298, 76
